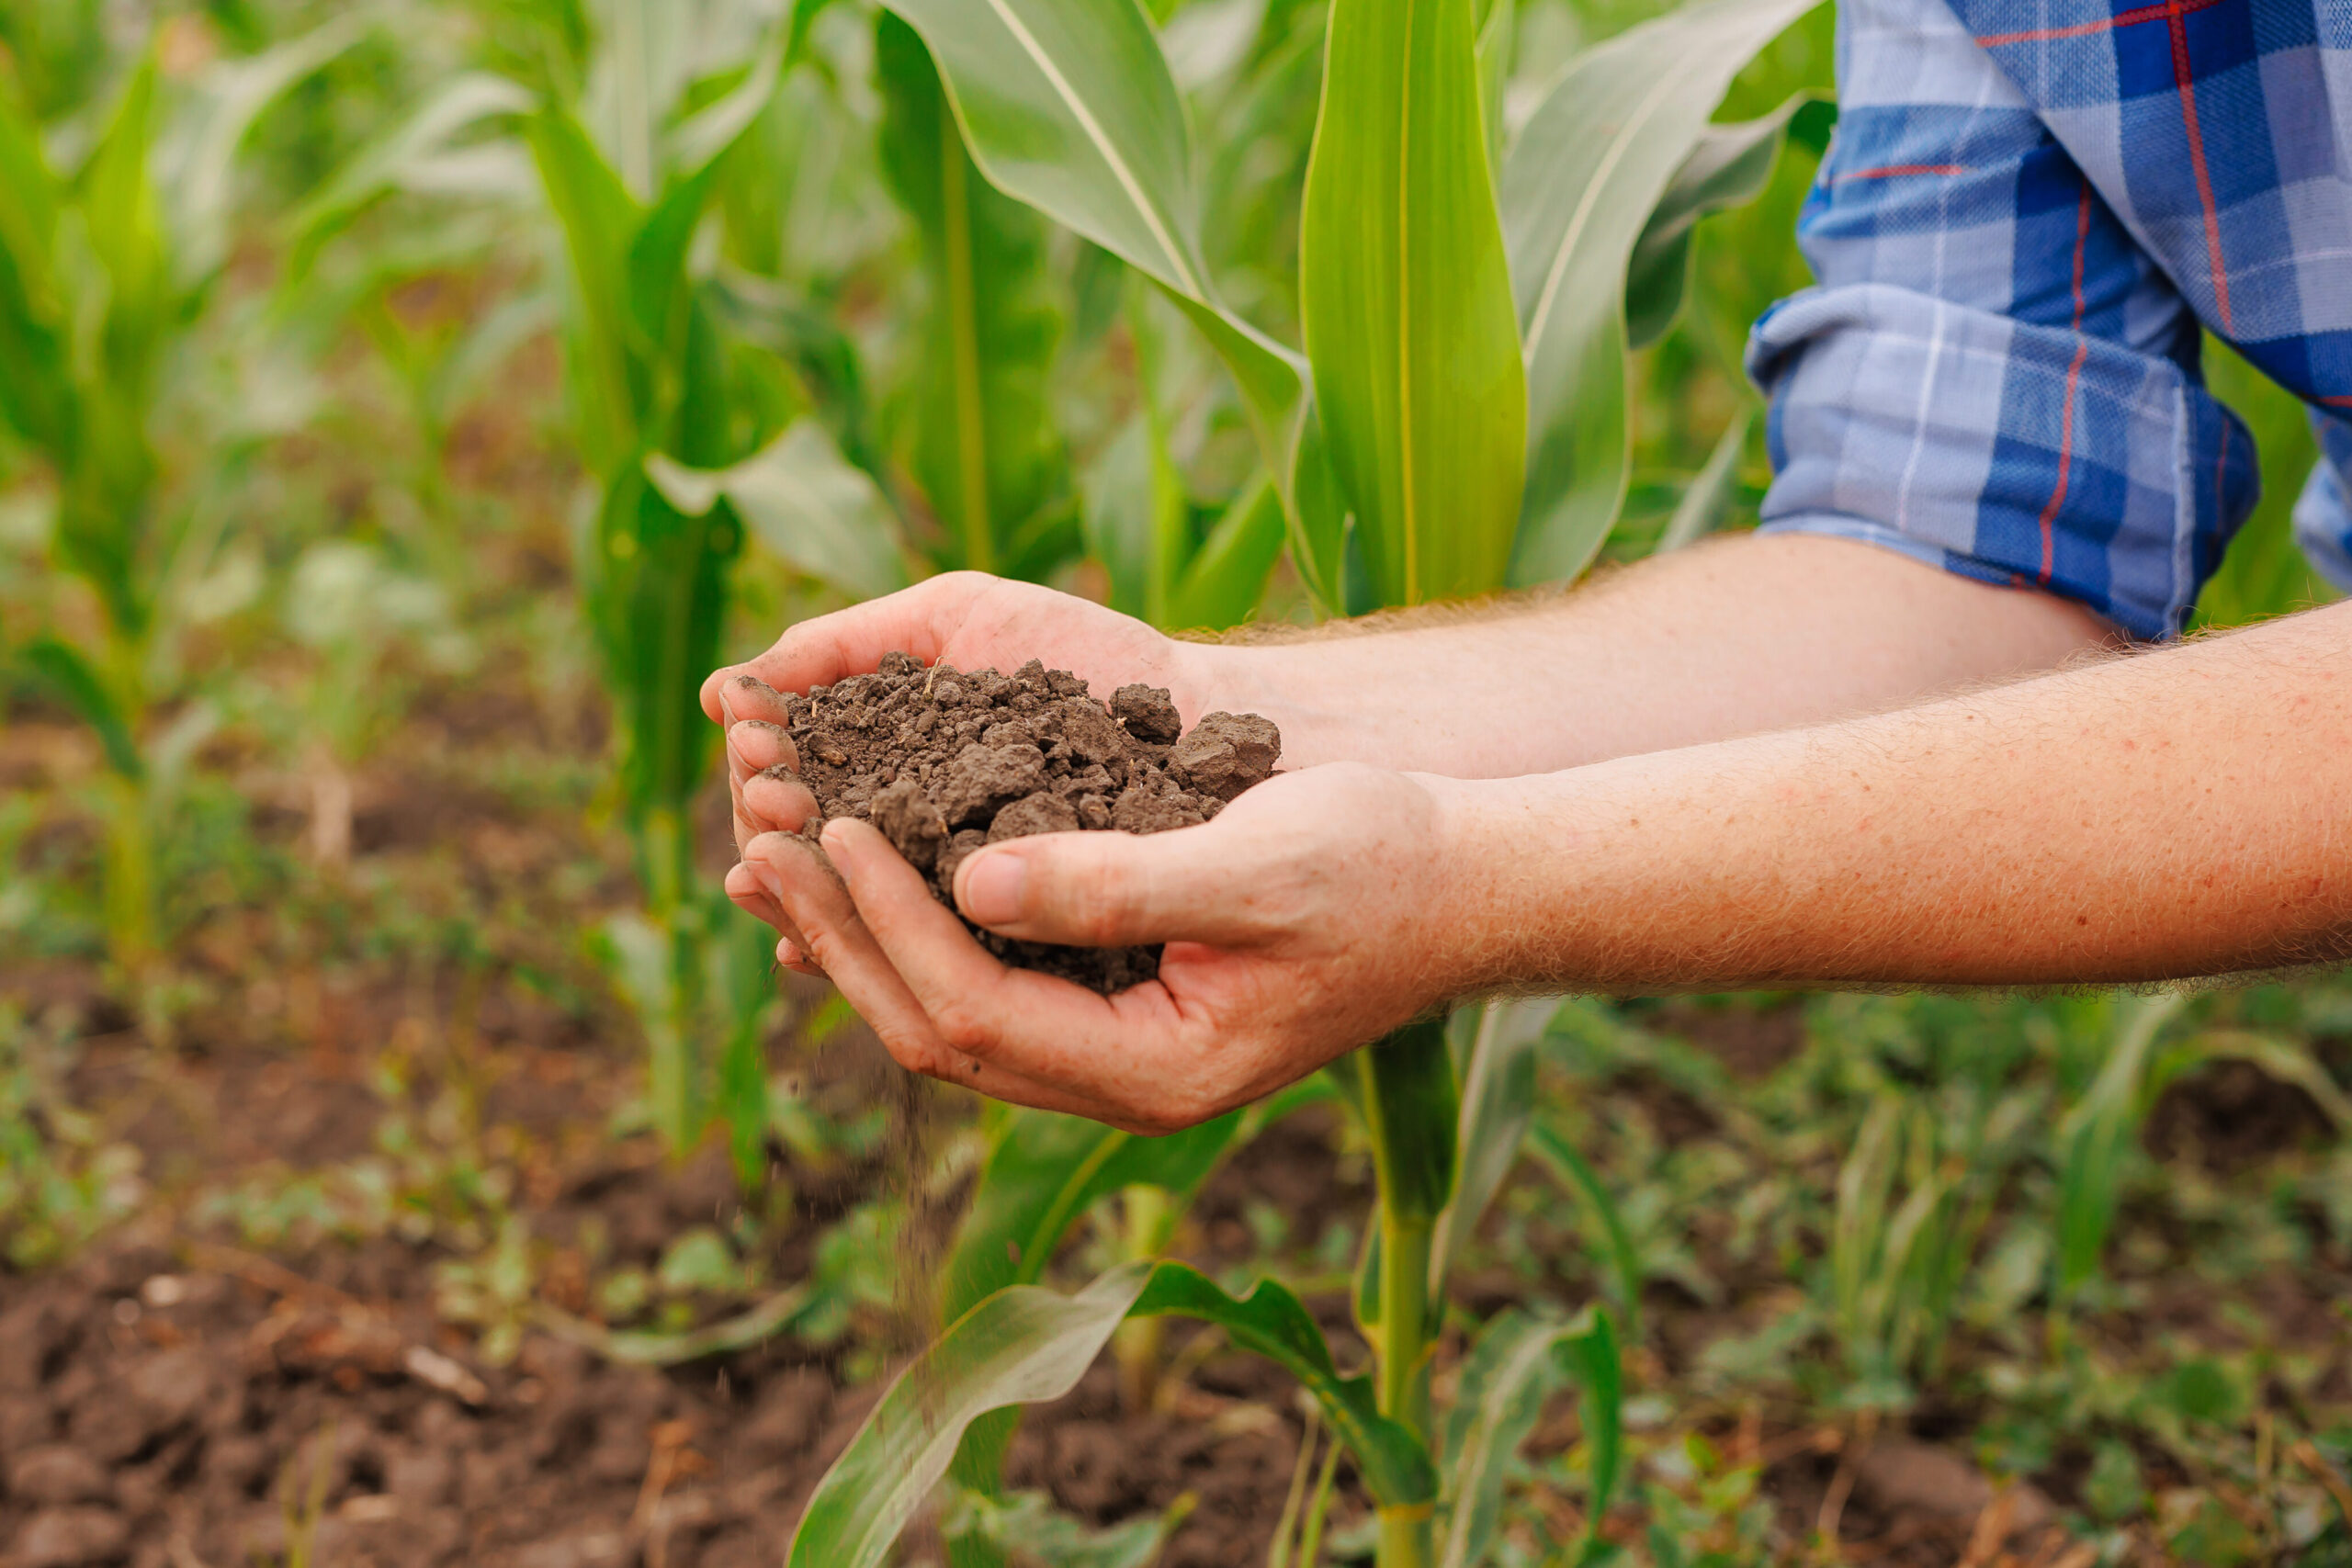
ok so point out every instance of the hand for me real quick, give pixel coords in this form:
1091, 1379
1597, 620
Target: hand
971, 620
1316, 913
974, 621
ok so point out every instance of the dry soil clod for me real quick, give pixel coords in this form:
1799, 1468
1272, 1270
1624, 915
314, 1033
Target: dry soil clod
943, 761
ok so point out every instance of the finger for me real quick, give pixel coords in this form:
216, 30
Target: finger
750, 896
1118, 890
1131, 1054
827, 648
755, 745
732, 698
843, 948
774, 802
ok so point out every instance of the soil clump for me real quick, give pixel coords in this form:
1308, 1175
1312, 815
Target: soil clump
944, 760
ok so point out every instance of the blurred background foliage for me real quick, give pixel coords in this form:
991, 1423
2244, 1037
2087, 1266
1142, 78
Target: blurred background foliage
404, 404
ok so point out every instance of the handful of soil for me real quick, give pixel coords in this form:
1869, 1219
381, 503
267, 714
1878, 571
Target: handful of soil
943, 761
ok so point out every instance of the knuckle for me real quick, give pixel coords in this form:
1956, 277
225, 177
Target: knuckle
962, 1029
1094, 895
915, 1055
1182, 1107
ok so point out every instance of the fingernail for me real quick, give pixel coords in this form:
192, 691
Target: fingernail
994, 886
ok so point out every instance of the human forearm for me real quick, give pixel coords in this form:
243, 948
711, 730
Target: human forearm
2188, 812
1741, 636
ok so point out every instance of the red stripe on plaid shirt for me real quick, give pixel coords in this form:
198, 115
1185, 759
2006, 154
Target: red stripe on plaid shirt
2074, 381
2174, 14
1897, 171
2185, 74
2132, 18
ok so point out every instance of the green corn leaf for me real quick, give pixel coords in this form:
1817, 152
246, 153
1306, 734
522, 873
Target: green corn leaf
1599, 1369
1729, 167
196, 164
767, 315
1272, 1322
423, 153
1619, 1261
1517, 1363
643, 62
657, 592
36, 385
1497, 1105
1409, 1105
29, 199
123, 216
71, 678
1708, 495
802, 501
1043, 1171
1024, 1346
601, 223
655, 268
1069, 107
1227, 577
1026, 1529
1407, 300
982, 437
1497, 39
1137, 515
739, 957
712, 132
1125, 492
2098, 1137
1578, 192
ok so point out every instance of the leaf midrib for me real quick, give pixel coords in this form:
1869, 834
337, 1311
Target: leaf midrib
1622, 143
1103, 144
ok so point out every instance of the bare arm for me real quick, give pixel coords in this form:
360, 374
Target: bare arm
2182, 813
2185, 812
1742, 635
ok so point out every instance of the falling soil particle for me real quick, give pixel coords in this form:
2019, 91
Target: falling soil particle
943, 761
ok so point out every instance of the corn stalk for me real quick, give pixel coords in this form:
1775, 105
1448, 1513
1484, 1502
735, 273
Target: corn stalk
1454, 423
697, 434
102, 273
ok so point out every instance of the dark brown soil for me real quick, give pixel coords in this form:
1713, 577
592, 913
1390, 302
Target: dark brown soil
195, 1403
2231, 1116
944, 760
174, 1397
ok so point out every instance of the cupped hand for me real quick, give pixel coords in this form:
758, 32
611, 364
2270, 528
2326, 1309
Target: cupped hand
1313, 915
967, 618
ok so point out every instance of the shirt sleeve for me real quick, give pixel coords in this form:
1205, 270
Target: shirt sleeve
1992, 375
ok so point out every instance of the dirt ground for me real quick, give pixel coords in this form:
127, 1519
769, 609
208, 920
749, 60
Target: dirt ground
172, 1399
227, 1377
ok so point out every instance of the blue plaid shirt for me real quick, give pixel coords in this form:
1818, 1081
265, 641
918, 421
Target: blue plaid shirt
2030, 209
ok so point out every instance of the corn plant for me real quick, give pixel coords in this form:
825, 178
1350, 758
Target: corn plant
103, 272
1913, 1198
2098, 1139
1454, 423
693, 430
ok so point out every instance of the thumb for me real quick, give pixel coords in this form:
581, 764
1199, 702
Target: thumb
1111, 890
